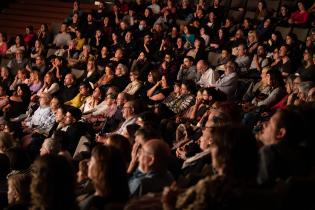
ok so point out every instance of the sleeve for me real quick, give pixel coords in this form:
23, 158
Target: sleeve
274, 96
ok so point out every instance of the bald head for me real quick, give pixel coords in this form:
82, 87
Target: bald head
154, 155
202, 66
158, 148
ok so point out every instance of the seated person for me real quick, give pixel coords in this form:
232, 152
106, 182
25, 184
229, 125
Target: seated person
152, 174
134, 85
84, 91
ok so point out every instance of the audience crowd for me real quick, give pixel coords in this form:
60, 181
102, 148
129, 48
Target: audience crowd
161, 104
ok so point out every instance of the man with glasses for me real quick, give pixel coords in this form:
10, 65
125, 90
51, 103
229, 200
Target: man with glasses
227, 83
152, 174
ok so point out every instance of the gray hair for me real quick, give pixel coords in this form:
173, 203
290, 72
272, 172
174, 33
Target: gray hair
53, 146
306, 86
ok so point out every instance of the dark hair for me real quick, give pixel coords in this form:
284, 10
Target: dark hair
4, 166
19, 159
147, 132
276, 78
26, 97
75, 112
237, 150
190, 84
293, 122
111, 176
122, 144
53, 184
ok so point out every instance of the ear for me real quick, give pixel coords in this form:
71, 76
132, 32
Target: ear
210, 98
281, 133
151, 160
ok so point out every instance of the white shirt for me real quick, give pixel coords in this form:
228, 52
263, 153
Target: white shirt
208, 78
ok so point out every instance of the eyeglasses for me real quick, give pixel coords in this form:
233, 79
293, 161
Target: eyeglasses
127, 107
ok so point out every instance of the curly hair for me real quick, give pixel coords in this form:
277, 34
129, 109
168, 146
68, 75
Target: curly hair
53, 184
110, 173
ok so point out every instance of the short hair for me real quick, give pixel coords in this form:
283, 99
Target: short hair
53, 146
122, 144
147, 133
293, 123
75, 112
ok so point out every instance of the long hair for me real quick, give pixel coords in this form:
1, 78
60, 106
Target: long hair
110, 173
53, 184
237, 150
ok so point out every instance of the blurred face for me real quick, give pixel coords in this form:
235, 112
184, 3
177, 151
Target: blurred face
19, 91
89, 18
260, 51
83, 90
205, 96
4, 72
142, 56
128, 36
186, 63
118, 71
114, 37
37, 44
282, 51
97, 93
183, 89
311, 95
90, 65
120, 99
133, 77
176, 89
69, 119
118, 54
150, 77
108, 71
224, 54
109, 100
59, 116
11, 192
63, 27
47, 79
17, 40
92, 168
269, 132
275, 54
43, 100
68, 80
205, 139
307, 56
38, 61
301, 6
145, 159
54, 103
104, 51
44, 149
288, 40
179, 42
127, 110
